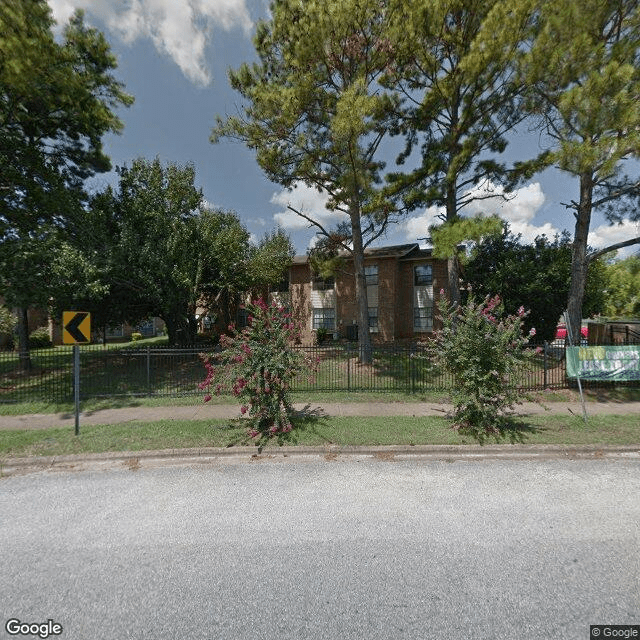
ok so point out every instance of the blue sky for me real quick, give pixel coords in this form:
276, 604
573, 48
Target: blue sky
173, 57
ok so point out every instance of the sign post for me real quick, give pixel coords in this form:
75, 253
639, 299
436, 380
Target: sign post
76, 330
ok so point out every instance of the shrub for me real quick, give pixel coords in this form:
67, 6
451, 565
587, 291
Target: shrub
483, 349
135, 336
257, 365
322, 334
39, 339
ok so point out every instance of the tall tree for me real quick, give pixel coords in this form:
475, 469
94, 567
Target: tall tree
168, 254
582, 69
316, 113
459, 102
57, 100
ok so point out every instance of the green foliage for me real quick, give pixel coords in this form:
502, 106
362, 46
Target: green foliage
39, 338
447, 237
534, 275
160, 252
257, 365
58, 100
56, 103
135, 336
8, 320
622, 289
459, 103
582, 71
315, 113
322, 334
483, 349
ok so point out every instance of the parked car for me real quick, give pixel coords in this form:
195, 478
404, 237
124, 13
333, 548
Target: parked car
561, 333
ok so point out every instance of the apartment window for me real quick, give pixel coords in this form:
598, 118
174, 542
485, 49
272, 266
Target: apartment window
422, 275
146, 328
423, 318
324, 318
322, 284
371, 274
115, 332
373, 318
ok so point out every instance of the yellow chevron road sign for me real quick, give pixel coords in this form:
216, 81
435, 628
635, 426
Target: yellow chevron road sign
76, 327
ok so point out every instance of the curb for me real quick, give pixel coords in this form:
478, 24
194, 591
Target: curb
134, 460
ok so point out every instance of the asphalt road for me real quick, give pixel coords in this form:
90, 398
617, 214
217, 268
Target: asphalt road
309, 548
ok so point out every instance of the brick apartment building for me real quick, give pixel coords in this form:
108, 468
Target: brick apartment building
403, 282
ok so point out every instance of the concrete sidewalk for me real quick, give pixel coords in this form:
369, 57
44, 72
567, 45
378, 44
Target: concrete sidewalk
227, 412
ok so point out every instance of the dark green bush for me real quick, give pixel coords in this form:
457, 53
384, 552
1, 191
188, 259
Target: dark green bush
39, 339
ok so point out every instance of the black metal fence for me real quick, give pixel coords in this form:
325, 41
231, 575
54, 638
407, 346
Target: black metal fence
150, 371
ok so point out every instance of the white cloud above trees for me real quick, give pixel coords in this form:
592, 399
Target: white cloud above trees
310, 202
180, 29
519, 208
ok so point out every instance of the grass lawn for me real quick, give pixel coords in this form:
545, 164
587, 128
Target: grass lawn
619, 394
313, 431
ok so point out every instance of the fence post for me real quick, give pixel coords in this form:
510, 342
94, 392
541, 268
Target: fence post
148, 370
348, 366
412, 370
545, 364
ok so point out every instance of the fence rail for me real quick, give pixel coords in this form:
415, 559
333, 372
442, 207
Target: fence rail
152, 371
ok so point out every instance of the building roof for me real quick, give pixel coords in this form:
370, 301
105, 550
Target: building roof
401, 251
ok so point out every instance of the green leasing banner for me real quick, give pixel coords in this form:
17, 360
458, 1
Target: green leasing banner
604, 363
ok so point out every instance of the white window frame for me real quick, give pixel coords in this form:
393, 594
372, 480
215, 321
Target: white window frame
423, 319
320, 316
373, 328
323, 284
371, 274
415, 275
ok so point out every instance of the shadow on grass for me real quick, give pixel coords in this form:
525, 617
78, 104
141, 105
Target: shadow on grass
507, 429
118, 402
306, 420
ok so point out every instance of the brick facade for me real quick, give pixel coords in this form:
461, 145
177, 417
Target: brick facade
394, 297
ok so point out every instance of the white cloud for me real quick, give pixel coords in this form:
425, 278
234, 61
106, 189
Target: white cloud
519, 209
178, 28
606, 235
308, 201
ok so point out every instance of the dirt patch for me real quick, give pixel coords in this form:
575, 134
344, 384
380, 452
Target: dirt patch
133, 464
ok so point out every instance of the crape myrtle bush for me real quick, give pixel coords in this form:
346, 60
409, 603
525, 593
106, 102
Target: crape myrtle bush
257, 365
484, 350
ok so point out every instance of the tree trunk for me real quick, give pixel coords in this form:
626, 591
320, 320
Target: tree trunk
364, 337
453, 277
23, 340
579, 259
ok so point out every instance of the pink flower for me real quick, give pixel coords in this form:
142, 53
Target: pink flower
538, 350
207, 397
253, 433
243, 410
532, 332
521, 312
